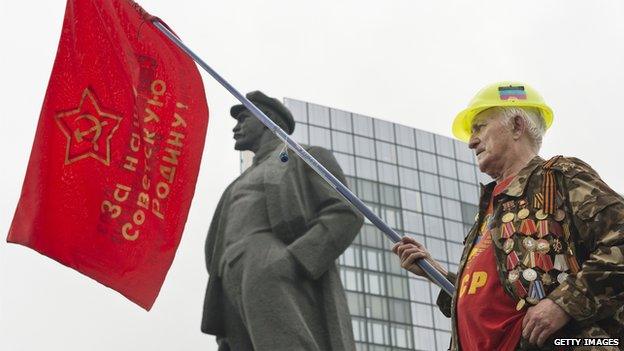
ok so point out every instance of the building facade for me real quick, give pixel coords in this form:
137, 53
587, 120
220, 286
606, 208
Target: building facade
421, 184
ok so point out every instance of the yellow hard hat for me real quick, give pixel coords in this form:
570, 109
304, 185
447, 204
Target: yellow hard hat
499, 94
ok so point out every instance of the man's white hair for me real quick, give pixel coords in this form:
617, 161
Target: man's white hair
533, 119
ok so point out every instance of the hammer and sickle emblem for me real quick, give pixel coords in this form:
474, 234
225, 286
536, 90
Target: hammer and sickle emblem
96, 129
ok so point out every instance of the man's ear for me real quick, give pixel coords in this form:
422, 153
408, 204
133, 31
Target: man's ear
518, 127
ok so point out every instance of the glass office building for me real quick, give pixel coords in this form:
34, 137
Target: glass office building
421, 184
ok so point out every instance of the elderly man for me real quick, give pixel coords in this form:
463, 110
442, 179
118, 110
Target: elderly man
544, 259
272, 246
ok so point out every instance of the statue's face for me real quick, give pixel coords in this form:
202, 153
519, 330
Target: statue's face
247, 132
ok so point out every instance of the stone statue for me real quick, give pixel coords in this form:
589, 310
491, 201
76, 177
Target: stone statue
272, 245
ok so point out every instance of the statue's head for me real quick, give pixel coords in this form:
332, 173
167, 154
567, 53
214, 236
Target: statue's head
249, 131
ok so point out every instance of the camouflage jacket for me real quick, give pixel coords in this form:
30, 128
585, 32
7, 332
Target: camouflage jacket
558, 232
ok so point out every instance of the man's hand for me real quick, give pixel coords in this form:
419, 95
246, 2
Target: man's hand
410, 251
543, 320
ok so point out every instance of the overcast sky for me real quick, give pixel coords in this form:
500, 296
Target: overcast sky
412, 62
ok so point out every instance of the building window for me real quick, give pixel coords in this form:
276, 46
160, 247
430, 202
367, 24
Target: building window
351, 279
434, 226
468, 193
427, 162
371, 236
429, 183
388, 173
342, 142
452, 209
384, 130
463, 153
422, 315
444, 146
359, 329
431, 204
364, 147
424, 141
413, 222
376, 307
466, 172
443, 339
409, 178
447, 167
410, 200
378, 333
318, 115
407, 157
419, 290
351, 257
365, 168
437, 248
469, 212
449, 188
454, 231
363, 125
389, 195
320, 137
386, 152
393, 265
405, 135
340, 120
347, 163
401, 335
374, 283
373, 259
397, 287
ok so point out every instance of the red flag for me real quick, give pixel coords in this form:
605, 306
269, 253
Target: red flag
115, 159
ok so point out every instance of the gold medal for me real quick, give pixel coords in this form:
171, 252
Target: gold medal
523, 213
520, 304
532, 300
508, 245
559, 215
508, 217
541, 215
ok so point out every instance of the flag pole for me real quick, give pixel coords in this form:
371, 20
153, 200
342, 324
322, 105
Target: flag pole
433, 274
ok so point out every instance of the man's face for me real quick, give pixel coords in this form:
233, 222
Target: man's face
491, 141
247, 132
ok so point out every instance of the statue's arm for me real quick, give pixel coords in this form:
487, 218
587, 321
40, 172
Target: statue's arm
335, 225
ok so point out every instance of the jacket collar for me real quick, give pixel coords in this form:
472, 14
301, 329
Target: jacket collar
519, 183
265, 150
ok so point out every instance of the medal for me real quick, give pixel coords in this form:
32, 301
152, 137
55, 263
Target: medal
529, 243
512, 260
519, 288
538, 201
509, 206
555, 228
557, 246
540, 214
560, 263
529, 259
566, 231
572, 263
546, 279
508, 217
543, 261
523, 213
520, 304
561, 277
507, 230
529, 274
542, 246
542, 228
512, 276
528, 227
559, 215
536, 292
508, 245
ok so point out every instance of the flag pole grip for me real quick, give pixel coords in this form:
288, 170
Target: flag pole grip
434, 275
